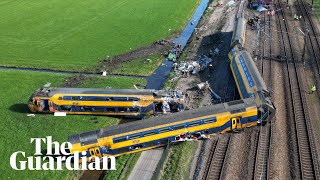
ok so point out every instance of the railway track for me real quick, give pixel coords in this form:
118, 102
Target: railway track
310, 31
307, 167
264, 141
216, 158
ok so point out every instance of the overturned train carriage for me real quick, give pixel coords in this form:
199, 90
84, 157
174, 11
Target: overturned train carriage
251, 84
158, 131
126, 102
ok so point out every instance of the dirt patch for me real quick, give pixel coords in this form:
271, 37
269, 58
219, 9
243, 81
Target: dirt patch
75, 81
158, 47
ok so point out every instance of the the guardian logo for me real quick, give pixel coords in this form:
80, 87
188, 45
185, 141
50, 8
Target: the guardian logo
54, 161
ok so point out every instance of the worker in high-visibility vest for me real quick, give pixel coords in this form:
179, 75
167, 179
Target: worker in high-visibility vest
313, 88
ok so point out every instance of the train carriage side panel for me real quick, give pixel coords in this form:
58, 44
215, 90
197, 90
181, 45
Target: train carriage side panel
243, 77
260, 84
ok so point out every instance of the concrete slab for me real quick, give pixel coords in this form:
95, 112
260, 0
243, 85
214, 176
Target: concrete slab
146, 164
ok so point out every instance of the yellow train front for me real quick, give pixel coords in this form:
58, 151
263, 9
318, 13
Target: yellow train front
158, 131
124, 102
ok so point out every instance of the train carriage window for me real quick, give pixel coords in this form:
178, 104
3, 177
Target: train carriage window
134, 136
66, 108
163, 130
122, 109
66, 98
149, 133
133, 99
195, 123
120, 98
135, 109
119, 139
179, 126
99, 109
111, 109
100, 98
210, 120
108, 98
87, 109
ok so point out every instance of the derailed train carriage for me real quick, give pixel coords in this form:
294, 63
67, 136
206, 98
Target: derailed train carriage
158, 131
247, 76
251, 84
255, 108
98, 101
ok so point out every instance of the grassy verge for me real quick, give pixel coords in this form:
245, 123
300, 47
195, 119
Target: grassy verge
46, 34
142, 67
317, 8
178, 164
17, 129
112, 82
124, 167
171, 81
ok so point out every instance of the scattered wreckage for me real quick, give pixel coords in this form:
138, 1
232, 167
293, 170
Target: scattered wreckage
174, 53
194, 67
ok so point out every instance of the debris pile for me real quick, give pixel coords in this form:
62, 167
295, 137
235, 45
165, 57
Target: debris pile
162, 42
253, 22
174, 53
231, 3
193, 67
296, 17
214, 96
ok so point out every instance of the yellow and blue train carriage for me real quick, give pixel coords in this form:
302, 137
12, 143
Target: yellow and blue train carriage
125, 102
250, 83
158, 131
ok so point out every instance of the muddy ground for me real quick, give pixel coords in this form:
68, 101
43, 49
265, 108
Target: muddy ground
158, 47
76, 80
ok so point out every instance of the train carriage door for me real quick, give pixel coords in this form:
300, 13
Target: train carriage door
45, 105
95, 152
236, 123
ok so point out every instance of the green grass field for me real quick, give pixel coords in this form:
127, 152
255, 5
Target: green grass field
142, 66
179, 161
317, 8
17, 129
73, 35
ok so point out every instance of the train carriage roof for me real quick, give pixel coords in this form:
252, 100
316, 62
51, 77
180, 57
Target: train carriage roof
52, 91
162, 120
